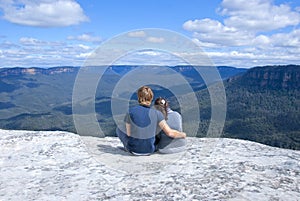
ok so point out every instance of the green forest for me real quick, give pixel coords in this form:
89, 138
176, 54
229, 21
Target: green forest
268, 114
263, 103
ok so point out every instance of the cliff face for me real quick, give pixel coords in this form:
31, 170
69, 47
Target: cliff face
272, 77
63, 166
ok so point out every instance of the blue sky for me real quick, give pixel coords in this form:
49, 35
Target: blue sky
241, 33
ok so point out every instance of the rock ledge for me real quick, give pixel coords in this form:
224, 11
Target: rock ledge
64, 166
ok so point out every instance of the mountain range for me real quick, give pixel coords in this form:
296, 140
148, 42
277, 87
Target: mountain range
263, 105
262, 102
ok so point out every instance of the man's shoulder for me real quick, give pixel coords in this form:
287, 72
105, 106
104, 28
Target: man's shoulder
138, 107
134, 107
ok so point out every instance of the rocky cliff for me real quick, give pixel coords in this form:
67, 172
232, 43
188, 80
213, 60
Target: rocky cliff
271, 77
64, 166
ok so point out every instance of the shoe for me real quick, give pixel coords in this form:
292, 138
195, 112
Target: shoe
140, 154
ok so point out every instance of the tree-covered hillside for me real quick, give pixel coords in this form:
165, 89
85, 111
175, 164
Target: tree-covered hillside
263, 105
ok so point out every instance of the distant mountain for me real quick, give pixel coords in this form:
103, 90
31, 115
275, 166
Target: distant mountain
29, 96
41, 98
36, 71
186, 70
262, 102
263, 105
270, 77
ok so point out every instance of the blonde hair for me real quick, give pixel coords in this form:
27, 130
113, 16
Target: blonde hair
145, 95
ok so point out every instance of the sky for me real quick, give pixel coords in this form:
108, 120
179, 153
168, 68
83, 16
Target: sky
239, 33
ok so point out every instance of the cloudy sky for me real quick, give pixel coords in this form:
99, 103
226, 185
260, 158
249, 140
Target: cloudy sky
240, 33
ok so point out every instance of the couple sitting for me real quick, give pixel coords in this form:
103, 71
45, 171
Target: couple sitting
148, 130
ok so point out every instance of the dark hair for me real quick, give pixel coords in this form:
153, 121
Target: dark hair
162, 105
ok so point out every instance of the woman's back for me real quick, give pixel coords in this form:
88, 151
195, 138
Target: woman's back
167, 144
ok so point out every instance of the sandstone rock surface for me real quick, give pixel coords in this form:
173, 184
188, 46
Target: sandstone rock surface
36, 165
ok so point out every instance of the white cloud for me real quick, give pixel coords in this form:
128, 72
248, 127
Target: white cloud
137, 34
149, 53
255, 32
85, 38
85, 47
212, 31
30, 41
32, 51
203, 25
261, 41
258, 15
291, 39
204, 44
243, 20
8, 45
33, 42
149, 57
152, 39
83, 55
43, 13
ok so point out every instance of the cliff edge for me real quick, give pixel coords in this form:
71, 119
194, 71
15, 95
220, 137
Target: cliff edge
36, 165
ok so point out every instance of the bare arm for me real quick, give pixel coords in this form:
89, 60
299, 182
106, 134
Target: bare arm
128, 129
171, 132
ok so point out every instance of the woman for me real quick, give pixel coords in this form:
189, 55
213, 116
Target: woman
165, 143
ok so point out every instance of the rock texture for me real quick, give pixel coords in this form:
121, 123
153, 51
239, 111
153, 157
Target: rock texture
64, 166
271, 77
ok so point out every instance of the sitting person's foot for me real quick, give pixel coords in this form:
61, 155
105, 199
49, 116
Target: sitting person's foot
123, 148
